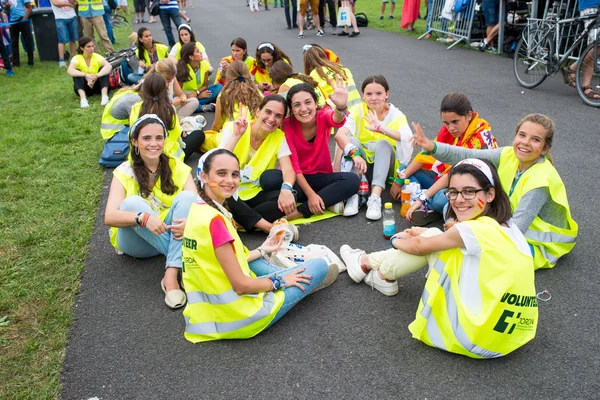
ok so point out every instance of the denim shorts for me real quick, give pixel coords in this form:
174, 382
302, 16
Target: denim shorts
68, 30
491, 12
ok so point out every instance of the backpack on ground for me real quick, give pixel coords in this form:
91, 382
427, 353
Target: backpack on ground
361, 20
114, 78
116, 149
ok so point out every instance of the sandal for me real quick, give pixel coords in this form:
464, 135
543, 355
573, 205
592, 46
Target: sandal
568, 76
589, 93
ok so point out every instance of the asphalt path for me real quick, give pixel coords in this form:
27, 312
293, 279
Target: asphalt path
349, 341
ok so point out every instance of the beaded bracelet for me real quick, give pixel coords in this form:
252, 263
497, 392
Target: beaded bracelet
145, 219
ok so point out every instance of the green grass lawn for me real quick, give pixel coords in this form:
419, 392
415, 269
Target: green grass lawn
372, 8
50, 187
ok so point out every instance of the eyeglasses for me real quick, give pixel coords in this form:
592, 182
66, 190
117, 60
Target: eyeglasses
467, 193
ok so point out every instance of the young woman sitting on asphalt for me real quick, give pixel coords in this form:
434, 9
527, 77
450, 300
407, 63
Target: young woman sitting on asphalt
148, 51
463, 128
90, 73
307, 131
234, 293
260, 146
321, 69
239, 52
156, 100
186, 35
537, 194
284, 78
148, 203
267, 54
184, 105
381, 132
473, 268
239, 90
192, 75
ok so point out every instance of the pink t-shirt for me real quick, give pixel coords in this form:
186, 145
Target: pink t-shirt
218, 232
311, 158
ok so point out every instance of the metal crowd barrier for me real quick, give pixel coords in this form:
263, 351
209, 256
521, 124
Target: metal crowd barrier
459, 27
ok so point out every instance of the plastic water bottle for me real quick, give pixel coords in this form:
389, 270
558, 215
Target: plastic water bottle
405, 197
200, 120
389, 221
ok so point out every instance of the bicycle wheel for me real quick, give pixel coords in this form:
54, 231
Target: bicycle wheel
531, 59
588, 76
118, 20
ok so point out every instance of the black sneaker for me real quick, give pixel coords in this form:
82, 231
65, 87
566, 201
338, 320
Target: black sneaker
343, 33
353, 34
422, 218
381, 18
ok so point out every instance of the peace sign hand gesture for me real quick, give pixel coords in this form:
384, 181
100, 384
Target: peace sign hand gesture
419, 138
373, 121
241, 124
339, 97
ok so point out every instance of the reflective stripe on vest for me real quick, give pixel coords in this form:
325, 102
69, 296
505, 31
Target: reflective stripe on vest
470, 306
85, 4
110, 125
214, 311
552, 241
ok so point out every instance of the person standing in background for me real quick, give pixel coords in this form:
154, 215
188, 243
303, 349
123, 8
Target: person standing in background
20, 11
67, 28
169, 11
91, 14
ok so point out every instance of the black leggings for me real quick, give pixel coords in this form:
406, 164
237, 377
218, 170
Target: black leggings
80, 82
192, 141
140, 5
331, 188
263, 205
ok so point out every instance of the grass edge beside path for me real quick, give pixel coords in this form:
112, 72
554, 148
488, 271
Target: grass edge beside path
50, 189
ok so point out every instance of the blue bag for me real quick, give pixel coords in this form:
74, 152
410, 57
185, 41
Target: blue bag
116, 149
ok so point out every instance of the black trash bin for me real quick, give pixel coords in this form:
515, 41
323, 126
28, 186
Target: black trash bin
46, 38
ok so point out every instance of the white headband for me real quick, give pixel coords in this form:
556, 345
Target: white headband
480, 165
146, 117
306, 48
185, 26
268, 45
201, 167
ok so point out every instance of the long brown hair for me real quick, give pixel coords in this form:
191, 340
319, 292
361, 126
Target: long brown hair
140, 46
183, 72
276, 52
239, 89
140, 171
282, 71
155, 99
315, 58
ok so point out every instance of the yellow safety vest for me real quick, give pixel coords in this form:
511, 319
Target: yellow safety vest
84, 5
358, 112
265, 158
177, 49
162, 51
249, 61
95, 63
291, 82
172, 142
504, 317
549, 242
110, 125
262, 74
214, 310
353, 94
197, 80
159, 201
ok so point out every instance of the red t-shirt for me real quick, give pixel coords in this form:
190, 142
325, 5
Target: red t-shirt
311, 158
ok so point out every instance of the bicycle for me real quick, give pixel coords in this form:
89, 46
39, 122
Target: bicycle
537, 54
115, 58
117, 21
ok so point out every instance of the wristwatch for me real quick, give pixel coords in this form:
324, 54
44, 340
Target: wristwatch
197, 92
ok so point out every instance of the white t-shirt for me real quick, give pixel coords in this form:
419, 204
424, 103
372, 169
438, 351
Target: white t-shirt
468, 280
63, 12
284, 149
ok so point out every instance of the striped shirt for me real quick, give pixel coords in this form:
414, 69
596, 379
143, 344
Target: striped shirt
171, 5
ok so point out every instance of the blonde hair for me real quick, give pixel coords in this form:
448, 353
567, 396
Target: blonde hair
315, 57
166, 68
546, 123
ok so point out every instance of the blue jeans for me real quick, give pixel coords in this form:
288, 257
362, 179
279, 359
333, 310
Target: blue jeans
165, 19
214, 90
139, 242
316, 268
109, 29
67, 30
426, 178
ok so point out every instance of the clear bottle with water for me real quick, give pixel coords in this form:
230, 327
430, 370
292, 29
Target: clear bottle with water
389, 221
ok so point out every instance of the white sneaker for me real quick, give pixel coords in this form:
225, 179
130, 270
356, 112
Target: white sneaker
374, 207
332, 274
62, 64
332, 258
352, 259
387, 288
351, 207
104, 100
337, 208
83, 103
